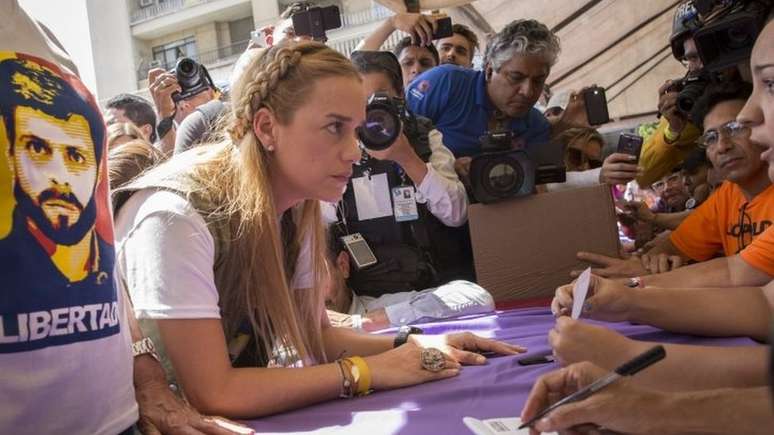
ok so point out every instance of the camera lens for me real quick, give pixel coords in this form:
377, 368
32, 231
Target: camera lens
380, 129
503, 177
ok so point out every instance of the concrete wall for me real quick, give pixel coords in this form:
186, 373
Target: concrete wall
112, 47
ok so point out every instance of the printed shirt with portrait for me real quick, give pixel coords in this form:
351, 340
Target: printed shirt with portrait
66, 359
726, 222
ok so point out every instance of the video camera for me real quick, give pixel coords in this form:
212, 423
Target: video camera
314, 21
728, 30
192, 77
386, 118
501, 172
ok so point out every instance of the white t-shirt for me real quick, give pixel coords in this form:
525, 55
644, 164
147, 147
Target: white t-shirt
65, 353
165, 256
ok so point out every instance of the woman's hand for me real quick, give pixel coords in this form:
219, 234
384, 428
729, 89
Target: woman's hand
402, 367
466, 347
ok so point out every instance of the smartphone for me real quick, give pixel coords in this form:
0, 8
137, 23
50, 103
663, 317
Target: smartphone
443, 28
630, 144
596, 105
536, 359
359, 250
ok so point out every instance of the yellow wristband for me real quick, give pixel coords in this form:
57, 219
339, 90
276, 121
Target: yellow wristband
363, 375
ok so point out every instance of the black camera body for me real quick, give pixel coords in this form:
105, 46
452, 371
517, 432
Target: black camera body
690, 88
192, 77
386, 118
500, 172
315, 21
727, 30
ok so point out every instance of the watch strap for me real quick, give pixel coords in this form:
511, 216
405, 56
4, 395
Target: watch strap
403, 332
164, 126
144, 346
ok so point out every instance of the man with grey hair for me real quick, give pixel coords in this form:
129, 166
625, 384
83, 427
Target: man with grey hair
465, 104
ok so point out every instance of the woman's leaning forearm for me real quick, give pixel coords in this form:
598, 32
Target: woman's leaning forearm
257, 392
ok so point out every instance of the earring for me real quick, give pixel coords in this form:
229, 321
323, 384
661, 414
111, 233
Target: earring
270, 148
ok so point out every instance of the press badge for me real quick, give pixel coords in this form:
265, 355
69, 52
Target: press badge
404, 204
372, 197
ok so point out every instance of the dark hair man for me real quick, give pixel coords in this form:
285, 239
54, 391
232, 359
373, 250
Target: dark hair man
134, 109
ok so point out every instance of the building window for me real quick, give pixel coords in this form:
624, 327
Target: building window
168, 54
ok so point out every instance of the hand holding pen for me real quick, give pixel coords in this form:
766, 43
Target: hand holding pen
590, 395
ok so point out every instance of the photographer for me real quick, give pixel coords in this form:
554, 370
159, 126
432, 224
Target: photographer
409, 239
416, 53
675, 136
164, 86
465, 104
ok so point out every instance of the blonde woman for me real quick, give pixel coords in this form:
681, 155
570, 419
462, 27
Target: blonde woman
222, 251
121, 133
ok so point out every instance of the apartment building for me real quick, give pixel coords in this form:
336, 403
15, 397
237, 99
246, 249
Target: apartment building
129, 37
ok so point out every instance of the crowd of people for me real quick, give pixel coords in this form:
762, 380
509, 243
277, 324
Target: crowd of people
228, 252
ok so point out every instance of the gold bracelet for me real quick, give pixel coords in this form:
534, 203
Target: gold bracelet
361, 373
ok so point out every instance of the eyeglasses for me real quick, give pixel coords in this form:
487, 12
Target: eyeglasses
730, 130
672, 180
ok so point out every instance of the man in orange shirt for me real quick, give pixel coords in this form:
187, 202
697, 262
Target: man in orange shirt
737, 212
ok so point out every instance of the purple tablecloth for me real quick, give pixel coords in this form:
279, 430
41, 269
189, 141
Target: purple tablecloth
498, 389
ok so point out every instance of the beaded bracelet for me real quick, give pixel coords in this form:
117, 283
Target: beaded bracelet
347, 392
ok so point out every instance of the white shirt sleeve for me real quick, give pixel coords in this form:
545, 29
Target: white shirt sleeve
576, 180
441, 188
167, 256
304, 274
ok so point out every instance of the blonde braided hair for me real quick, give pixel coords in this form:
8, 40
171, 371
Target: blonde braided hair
253, 279
272, 67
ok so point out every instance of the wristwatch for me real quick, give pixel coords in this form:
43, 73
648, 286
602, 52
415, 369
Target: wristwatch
164, 126
144, 346
403, 333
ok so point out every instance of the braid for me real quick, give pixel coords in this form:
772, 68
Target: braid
257, 93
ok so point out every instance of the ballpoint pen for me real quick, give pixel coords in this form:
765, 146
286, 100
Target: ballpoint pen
653, 355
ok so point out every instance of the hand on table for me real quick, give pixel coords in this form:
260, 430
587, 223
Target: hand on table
606, 300
161, 412
661, 263
466, 347
611, 407
612, 267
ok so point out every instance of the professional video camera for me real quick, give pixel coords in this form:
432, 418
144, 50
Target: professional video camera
192, 77
314, 21
724, 30
728, 30
501, 172
386, 118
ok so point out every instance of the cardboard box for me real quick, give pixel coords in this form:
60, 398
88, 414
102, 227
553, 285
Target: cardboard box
526, 247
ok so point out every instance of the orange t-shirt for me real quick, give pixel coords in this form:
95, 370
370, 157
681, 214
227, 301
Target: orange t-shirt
725, 222
760, 253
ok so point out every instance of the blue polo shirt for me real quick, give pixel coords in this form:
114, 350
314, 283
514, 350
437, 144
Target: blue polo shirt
455, 99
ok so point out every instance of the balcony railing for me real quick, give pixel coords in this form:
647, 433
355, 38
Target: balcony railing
207, 58
347, 46
164, 7
376, 13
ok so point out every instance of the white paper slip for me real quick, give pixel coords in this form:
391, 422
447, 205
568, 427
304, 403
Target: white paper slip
579, 291
496, 426
372, 197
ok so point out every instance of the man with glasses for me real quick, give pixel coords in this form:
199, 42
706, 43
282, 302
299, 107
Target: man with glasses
734, 214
